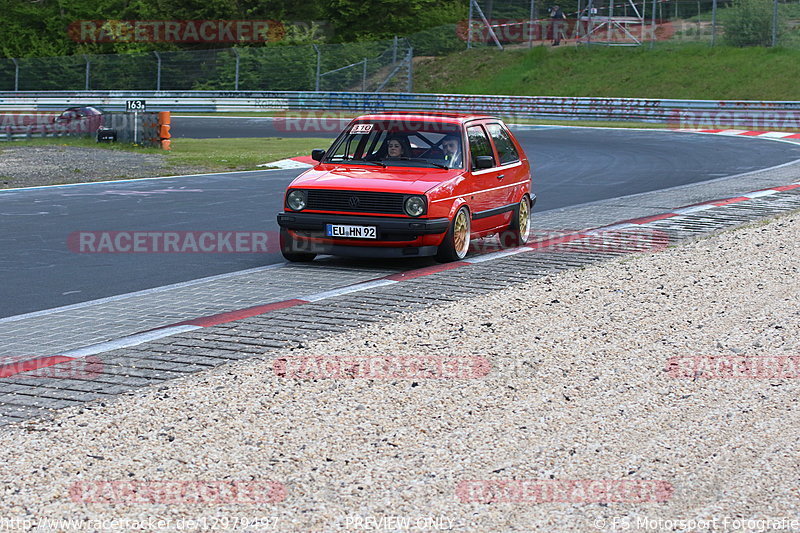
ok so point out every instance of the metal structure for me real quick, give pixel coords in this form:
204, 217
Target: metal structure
503, 23
609, 24
474, 7
612, 29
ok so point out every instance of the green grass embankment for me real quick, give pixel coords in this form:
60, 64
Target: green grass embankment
667, 71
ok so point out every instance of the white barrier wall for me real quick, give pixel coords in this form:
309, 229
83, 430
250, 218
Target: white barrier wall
684, 113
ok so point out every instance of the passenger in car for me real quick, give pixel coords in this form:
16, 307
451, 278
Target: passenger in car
396, 148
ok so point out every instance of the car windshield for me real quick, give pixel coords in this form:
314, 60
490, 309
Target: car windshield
399, 143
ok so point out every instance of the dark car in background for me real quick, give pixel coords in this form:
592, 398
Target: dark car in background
79, 120
85, 119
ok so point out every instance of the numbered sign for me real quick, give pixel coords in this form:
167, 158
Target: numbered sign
138, 106
361, 129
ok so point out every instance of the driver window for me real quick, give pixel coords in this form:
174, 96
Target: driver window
479, 145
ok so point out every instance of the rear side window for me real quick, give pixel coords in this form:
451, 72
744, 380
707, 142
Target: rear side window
478, 144
506, 150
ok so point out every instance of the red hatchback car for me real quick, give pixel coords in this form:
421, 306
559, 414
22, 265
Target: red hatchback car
410, 185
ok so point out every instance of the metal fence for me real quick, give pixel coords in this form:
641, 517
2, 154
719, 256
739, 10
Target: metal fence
677, 113
364, 66
503, 23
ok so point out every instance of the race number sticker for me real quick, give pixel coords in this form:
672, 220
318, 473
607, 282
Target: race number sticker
361, 129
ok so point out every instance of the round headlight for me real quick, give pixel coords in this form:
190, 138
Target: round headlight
296, 200
415, 206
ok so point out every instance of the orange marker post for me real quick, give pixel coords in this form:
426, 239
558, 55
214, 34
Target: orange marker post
164, 120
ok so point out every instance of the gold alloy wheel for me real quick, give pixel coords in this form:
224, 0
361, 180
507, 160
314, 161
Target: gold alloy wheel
461, 233
524, 219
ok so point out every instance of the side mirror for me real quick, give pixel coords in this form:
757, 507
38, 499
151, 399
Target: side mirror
317, 154
484, 161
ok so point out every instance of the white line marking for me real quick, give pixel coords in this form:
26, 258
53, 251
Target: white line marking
127, 342
346, 290
776, 134
496, 255
531, 127
618, 128
615, 227
287, 164
693, 209
136, 179
763, 138
758, 194
144, 292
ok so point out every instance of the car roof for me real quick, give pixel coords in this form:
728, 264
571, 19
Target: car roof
425, 115
82, 107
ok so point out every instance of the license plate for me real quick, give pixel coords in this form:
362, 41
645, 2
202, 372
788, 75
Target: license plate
351, 232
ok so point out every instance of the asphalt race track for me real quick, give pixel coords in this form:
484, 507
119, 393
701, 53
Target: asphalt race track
571, 166
232, 127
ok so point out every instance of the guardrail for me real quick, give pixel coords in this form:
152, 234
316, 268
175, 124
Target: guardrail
148, 129
774, 115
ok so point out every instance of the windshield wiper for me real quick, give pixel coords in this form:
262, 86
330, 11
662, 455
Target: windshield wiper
358, 161
417, 160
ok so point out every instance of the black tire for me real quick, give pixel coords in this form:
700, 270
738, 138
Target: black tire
453, 247
290, 253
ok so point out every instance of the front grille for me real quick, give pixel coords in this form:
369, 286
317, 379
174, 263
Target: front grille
356, 201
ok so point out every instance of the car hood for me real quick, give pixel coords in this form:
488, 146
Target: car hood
409, 180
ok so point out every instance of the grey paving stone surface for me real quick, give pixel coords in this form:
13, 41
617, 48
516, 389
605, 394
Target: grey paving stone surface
94, 323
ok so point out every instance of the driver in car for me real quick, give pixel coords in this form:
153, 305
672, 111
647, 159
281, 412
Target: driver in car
451, 147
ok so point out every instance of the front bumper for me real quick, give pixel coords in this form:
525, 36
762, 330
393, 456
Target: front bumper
396, 237
388, 228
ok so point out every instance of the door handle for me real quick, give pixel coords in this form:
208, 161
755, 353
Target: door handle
501, 176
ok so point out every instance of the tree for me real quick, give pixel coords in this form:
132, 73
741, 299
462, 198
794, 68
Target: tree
380, 19
749, 23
